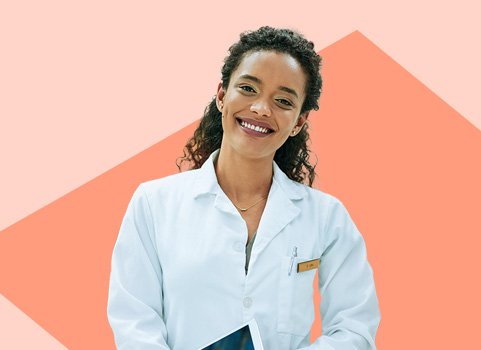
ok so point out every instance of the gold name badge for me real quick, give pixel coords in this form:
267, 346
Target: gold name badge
308, 265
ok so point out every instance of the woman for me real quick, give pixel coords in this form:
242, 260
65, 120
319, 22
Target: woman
240, 236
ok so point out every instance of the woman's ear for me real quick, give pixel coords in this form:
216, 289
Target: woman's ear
301, 120
220, 97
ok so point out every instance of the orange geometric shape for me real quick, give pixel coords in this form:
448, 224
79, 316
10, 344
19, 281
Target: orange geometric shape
55, 264
405, 164
408, 168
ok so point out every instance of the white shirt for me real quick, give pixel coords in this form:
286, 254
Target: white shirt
178, 276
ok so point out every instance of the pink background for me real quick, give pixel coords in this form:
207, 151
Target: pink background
85, 86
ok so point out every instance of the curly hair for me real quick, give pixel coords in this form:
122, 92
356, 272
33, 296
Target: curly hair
293, 156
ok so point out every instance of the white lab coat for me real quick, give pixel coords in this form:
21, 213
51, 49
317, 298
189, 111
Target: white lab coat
178, 279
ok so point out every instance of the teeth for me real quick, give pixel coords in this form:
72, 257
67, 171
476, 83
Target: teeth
254, 127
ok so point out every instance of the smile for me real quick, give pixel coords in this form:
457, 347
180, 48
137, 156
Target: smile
255, 128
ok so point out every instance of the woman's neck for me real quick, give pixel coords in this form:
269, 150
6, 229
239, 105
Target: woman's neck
243, 179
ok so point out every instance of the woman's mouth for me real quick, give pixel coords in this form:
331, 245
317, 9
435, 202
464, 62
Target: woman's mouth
254, 130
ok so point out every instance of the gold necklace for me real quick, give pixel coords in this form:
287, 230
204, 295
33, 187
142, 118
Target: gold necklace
245, 209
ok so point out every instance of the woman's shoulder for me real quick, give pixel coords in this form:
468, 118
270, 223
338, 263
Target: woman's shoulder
178, 182
316, 194
299, 190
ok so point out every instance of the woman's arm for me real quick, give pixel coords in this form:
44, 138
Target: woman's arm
135, 294
349, 306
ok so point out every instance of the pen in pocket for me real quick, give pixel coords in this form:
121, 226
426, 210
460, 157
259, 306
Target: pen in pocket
293, 256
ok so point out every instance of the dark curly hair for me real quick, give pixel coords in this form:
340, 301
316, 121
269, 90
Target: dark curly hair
293, 156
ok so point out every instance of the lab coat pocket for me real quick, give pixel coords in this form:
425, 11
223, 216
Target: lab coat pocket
295, 305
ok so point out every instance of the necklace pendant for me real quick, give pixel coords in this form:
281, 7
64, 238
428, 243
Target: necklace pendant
243, 209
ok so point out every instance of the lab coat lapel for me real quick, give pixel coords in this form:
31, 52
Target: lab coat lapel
224, 204
206, 184
280, 208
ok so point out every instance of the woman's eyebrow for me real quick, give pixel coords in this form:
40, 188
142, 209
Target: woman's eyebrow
257, 80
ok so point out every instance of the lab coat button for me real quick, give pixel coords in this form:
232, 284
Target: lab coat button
238, 247
247, 302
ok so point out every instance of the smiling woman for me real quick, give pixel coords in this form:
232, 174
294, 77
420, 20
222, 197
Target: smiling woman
265, 91
242, 234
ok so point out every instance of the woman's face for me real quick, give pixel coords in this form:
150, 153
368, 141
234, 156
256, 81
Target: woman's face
265, 93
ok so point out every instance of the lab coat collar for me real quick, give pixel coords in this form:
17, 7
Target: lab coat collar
280, 207
206, 181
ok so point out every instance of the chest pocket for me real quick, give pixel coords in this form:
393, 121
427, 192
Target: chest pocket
295, 304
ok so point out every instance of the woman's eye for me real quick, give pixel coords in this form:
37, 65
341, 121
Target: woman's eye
284, 102
247, 88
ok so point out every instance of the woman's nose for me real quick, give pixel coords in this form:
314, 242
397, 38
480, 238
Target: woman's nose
261, 107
